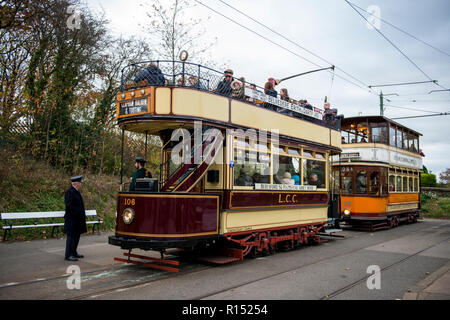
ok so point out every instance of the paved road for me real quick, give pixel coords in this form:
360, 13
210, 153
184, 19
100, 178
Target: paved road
414, 261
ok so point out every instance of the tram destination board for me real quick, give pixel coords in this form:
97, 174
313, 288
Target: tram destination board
133, 107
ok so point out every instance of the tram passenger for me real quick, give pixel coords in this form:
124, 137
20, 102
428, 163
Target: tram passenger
287, 179
244, 180
238, 91
152, 74
195, 83
270, 91
284, 95
74, 218
328, 115
224, 86
140, 172
180, 82
296, 179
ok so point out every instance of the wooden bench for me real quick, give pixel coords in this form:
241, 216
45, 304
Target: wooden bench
8, 217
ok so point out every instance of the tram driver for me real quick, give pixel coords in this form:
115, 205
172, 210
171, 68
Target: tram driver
140, 172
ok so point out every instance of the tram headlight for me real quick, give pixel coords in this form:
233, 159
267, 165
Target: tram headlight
128, 215
347, 212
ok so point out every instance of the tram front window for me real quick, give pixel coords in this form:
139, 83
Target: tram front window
399, 184
314, 173
347, 180
405, 184
361, 182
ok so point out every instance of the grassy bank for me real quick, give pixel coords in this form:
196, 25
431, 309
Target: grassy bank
434, 206
28, 186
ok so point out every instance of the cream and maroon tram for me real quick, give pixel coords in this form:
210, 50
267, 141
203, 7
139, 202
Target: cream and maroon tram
378, 173
232, 172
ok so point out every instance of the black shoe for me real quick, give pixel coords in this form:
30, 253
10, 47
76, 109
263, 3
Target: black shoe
80, 256
71, 258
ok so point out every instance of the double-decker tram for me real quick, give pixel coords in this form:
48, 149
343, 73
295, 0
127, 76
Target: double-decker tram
378, 173
246, 174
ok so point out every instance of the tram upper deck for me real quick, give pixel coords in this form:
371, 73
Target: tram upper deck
151, 101
377, 139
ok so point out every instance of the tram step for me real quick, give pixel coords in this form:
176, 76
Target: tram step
219, 260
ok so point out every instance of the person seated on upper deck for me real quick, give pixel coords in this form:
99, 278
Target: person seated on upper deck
244, 180
224, 86
195, 83
328, 114
270, 91
152, 74
287, 179
140, 172
343, 140
180, 82
284, 95
238, 91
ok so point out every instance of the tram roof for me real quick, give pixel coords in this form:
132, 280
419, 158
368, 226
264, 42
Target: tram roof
346, 121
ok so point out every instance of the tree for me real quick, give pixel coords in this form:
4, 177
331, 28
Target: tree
444, 177
171, 31
428, 180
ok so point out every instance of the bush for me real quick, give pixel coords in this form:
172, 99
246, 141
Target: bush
428, 180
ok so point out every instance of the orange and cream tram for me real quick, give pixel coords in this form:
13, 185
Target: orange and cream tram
378, 173
233, 173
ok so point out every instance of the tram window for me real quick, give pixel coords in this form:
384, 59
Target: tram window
320, 155
277, 149
384, 181
294, 152
392, 184
379, 135
405, 184
314, 173
351, 138
251, 168
361, 182
335, 185
288, 171
307, 153
362, 138
261, 147
411, 185
405, 141
241, 143
374, 183
345, 138
399, 184
416, 145
392, 137
416, 184
399, 138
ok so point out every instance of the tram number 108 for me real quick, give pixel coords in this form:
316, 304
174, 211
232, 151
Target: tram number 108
129, 202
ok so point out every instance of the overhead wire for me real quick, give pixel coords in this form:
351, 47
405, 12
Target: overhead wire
292, 42
403, 31
284, 48
393, 44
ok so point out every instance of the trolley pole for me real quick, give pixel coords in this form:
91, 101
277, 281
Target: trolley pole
381, 104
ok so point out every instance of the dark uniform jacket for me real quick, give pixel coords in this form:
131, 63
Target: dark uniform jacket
141, 173
75, 217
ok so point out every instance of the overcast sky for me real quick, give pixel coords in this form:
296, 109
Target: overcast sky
334, 31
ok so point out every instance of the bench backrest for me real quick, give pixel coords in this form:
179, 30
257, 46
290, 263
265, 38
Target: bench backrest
36, 215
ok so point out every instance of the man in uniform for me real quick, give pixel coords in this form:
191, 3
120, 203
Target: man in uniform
74, 218
140, 172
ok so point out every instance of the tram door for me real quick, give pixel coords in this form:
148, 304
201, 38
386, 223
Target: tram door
334, 210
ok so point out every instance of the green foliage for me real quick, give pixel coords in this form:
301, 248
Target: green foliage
428, 180
434, 206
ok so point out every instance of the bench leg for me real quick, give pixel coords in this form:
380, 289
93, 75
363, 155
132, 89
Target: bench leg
5, 233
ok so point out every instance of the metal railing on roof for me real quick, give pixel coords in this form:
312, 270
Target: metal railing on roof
196, 76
